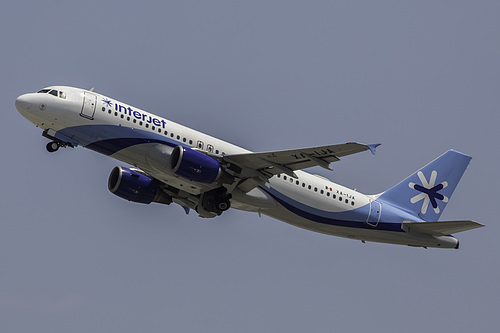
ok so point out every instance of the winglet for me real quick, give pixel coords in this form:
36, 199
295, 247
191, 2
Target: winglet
373, 147
186, 209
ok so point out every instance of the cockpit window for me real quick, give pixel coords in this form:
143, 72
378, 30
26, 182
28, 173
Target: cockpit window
56, 93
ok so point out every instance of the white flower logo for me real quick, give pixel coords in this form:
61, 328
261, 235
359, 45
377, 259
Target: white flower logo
429, 192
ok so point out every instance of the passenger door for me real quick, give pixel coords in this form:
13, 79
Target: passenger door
89, 104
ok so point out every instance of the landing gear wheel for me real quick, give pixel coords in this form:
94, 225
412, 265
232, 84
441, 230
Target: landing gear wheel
52, 146
214, 202
224, 204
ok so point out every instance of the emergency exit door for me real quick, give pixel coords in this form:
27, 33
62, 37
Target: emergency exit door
374, 214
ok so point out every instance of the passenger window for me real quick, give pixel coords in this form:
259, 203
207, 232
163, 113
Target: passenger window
210, 148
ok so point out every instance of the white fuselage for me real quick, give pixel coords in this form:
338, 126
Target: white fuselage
139, 138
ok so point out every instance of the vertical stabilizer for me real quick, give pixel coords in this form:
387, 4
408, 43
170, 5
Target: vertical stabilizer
426, 192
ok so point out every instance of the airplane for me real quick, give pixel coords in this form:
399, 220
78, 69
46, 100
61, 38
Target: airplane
172, 163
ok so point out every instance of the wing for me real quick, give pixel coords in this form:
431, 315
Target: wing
256, 168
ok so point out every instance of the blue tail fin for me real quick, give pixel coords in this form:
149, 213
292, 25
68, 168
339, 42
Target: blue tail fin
426, 192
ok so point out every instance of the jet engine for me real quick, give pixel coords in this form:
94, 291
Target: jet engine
195, 166
134, 186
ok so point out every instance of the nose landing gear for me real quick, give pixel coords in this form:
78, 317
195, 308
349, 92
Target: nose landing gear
52, 146
57, 143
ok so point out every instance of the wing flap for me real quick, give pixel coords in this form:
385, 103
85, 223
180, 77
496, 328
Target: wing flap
440, 228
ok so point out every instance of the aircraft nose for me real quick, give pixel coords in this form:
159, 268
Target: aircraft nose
23, 103
28, 103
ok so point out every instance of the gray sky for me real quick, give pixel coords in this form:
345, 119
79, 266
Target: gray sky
418, 77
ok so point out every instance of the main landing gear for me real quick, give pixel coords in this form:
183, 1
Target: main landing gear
214, 202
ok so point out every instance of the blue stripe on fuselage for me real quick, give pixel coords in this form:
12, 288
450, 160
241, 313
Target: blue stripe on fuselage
109, 139
111, 146
325, 217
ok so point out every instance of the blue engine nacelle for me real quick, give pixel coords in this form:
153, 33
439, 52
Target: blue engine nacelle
195, 166
133, 186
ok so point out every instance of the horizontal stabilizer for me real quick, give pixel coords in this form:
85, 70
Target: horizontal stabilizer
440, 228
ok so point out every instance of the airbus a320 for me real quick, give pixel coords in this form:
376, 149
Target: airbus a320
171, 163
